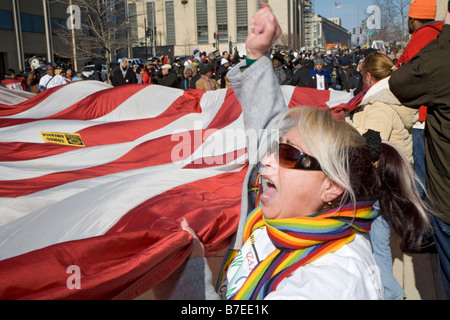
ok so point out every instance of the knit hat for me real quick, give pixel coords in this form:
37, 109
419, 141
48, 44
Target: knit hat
223, 61
204, 69
278, 56
318, 61
191, 68
166, 66
328, 60
423, 9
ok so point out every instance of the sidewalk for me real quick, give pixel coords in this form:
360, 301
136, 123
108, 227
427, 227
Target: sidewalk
419, 274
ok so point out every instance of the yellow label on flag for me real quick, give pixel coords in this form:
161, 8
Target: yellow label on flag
68, 139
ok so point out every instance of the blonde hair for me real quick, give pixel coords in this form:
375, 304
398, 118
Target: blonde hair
346, 159
378, 65
337, 139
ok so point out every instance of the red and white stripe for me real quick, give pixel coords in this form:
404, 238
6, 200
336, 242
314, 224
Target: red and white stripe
116, 201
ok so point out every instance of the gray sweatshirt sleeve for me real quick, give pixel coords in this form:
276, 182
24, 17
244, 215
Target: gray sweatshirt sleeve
259, 94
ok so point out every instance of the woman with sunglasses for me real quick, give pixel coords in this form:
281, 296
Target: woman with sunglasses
308, 236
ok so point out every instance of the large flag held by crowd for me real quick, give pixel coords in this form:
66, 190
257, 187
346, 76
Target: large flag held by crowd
94, 182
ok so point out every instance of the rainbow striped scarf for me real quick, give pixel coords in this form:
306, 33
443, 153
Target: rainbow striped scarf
298, 241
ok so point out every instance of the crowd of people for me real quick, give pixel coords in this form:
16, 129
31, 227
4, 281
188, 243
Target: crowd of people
358, 172
338, 69
35, 82
200, 71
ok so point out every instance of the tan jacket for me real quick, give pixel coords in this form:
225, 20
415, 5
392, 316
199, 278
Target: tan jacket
382, 112
207, 84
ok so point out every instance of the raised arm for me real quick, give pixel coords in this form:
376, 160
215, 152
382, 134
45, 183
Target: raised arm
254, 82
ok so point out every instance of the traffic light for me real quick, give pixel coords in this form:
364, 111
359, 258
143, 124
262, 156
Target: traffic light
360, 30
216, 35
357, 40
354, 30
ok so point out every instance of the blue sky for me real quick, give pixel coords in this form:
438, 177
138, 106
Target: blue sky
348, 12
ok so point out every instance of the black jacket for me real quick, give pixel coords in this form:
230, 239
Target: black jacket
301, 77
169, 80
187, 83
97, 76
425, 80
221, 74
118, 79
356, 82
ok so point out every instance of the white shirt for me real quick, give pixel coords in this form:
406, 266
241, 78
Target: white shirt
349, 273
48, 82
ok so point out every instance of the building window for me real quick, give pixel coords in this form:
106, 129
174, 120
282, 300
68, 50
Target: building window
241, 20
132, 19
202, 21
222, 20
32, 23
151, 23
259, 3
59, 26
6, 20
170, 23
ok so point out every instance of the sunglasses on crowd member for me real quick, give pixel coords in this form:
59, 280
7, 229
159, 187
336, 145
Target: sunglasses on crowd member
290, 157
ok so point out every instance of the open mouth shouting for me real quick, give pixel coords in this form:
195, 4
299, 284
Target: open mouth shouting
270, 191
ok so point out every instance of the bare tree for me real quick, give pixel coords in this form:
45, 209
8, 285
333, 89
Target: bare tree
285, 40
394, 20
104, 30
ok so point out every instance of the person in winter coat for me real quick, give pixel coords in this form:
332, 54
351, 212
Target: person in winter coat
319, 78
381, 111
341, 70
148, 77
302, 73
356, 82
51, 79
206, 81
33, 79
13, 82
124, 74
222, 73
169, 78
425, 80
283, 74
97, 74
190, 78
178, 68
423, 29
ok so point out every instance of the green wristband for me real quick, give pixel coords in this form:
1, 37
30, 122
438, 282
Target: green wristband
249, 61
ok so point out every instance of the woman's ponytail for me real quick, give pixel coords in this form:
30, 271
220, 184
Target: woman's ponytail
400, 202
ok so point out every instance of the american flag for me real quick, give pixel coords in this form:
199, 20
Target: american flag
96, 179
338, 5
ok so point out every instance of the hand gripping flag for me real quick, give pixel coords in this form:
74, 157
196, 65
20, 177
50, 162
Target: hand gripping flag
94, 181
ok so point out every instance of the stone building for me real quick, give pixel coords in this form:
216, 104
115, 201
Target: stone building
184, 25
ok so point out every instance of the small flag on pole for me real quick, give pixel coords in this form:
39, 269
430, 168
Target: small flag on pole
338, 5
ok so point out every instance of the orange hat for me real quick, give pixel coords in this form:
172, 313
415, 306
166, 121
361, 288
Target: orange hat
423, 9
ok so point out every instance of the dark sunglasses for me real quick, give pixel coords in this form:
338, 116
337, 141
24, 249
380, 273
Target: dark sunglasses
292, 158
